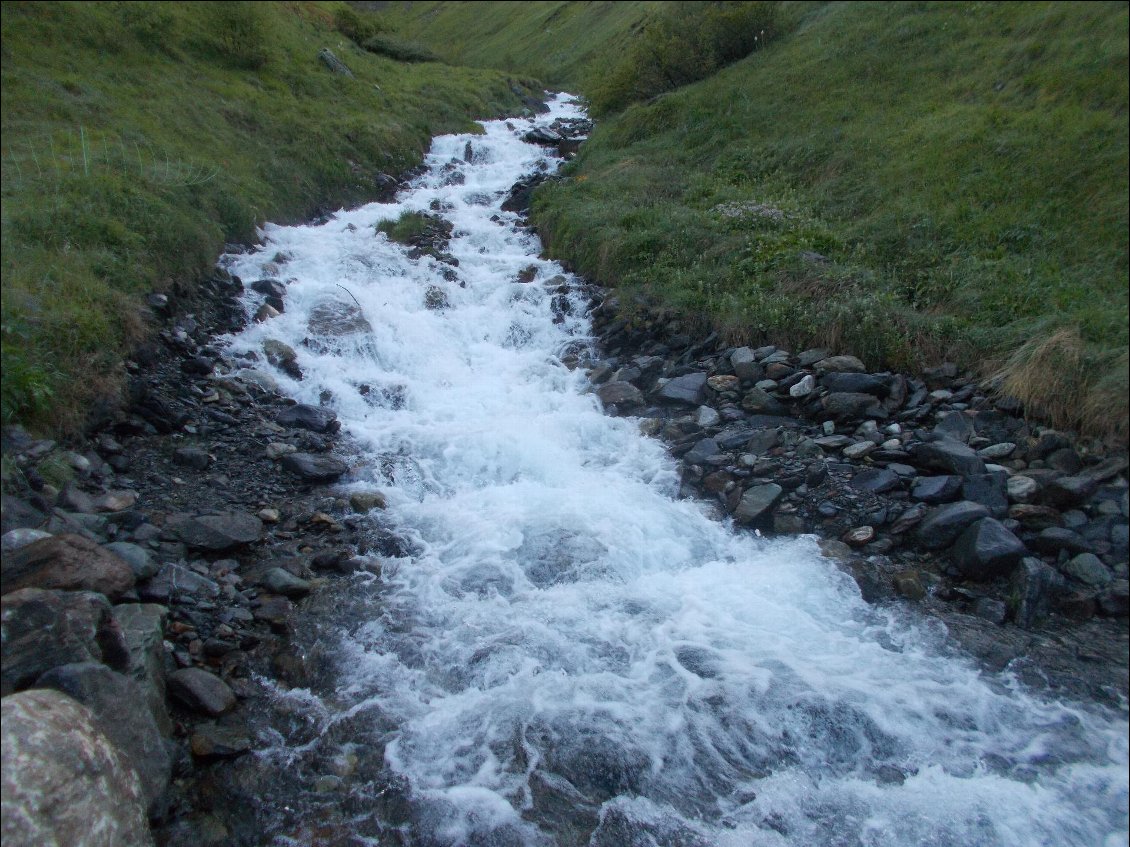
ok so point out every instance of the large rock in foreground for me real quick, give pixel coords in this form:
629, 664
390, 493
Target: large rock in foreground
67, 562
61, 781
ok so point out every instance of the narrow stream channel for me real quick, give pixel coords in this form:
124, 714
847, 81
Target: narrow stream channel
568, 654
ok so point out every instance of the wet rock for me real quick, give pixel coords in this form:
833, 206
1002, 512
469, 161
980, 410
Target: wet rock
269, 287
756, 501
1088, 569
942, 525
936, 489
67, 562
315, 468
211, 742
281, 581
363, 502
986, 550
688, 388
1054, 538
909, 585
839, 364
622, 394
1034, 587
42, 629
337, 318
860, 535
200, 691
63, 781
312, 418
990, 609
949, 456
273, 610
19, 514
121, 713
759, 401
216, 532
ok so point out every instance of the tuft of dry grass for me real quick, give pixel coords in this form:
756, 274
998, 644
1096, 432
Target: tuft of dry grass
1055, 379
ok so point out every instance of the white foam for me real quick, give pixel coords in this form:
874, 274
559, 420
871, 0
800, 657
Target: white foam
568, 623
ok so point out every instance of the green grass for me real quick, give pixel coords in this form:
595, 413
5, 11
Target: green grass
138, 138
961, 167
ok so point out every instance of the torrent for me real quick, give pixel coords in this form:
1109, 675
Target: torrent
562, 651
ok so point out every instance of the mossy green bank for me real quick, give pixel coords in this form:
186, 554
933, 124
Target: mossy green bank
138, 138
905, 181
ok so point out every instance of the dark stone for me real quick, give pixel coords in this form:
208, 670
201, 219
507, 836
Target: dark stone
192, 457
68, 562
948, 456
845, 405
19, 514
856, 383
936, 489
270, 287
176, 583
143, 630
1054, 538
942, 525
988, 490
689, 388
1033, 517
986, 550
1069, 491
200, 691
315, 468
313, 418
122, 714
956, 426
1034, 588
876, 480
756, 501
1088, 569
211, 742
216, 532
281, 581
1114, 601
703, 451
42, 629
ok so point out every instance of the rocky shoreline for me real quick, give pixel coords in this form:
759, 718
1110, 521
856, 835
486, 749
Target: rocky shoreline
153, 572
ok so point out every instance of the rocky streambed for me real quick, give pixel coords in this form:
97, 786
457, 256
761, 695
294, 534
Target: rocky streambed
209, 603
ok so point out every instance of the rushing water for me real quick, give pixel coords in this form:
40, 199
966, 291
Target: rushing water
572, 655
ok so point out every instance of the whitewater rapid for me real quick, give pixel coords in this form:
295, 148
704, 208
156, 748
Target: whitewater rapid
569, 654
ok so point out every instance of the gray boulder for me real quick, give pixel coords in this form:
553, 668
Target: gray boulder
1035, 586
176, 582
856, 383
1069, 491
143, 629
138, 558
702, 452
63, 782
941, 526
986, 550
848, 405
1088, 569
936, 489
122, 714
282, 581
756, 501
689, 388
744, 362
876, 480
840, 364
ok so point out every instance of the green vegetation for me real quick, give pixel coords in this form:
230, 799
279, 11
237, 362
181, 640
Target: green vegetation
406, 228
138, 138
904, 181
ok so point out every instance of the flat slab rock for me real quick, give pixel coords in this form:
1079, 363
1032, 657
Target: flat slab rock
216, 532
314, 467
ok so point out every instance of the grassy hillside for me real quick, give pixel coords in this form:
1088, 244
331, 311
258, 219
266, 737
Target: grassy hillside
906, 181
138, 138
566, 44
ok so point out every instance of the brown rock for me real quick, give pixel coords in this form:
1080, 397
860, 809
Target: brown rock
67, 562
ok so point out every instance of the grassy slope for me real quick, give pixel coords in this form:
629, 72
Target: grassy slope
962, 166
562, 43
138, 138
